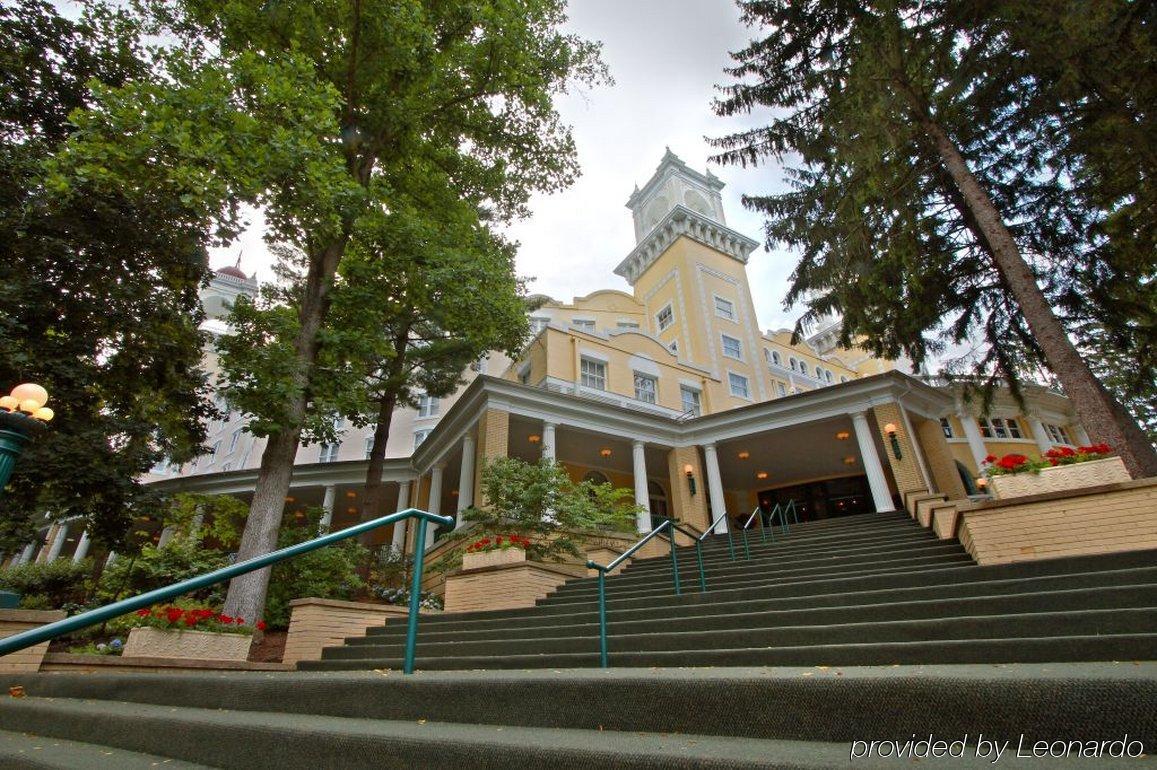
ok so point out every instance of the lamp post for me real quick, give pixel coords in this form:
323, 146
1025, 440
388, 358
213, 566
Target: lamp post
22, 413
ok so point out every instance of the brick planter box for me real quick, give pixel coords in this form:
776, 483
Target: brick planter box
1093, 473
315, 624
493, 558
509, 586
190, 645
12, 622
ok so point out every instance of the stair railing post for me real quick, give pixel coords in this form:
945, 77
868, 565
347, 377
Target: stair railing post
674, 561
604, 659
730, 542
746, 547
794, 513
783, 518
763, 529
699, 558
415, 597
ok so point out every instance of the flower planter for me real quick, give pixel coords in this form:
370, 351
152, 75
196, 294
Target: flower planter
1059, 478
493, 558
191, 645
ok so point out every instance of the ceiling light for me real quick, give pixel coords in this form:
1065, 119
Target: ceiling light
849, 460
351, 494
744, 455
761, 475
605, 452
534, 438
843, 435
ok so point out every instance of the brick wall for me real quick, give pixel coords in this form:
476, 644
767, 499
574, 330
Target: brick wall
493, 441
685, 506
941, 461
1108, 519
318, 623
13, 622
502, 587
906, 471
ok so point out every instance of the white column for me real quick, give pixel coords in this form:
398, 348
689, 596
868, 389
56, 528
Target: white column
327, 502
639, 455
81, 548
465, 480
1082, 436
975, 440
715, 489
27, 554
875, 471
112, 557
548, 447
435, 505
398, 543
57, 542
49, 539
166, 535
1043, 442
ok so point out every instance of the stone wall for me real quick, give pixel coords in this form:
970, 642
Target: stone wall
1095, 520
13, 622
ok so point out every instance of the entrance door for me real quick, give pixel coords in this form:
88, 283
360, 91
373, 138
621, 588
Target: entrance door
657, 497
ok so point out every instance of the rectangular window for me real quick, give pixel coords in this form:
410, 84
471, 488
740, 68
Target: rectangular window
674, 347
369, 444
665, 317
782, 388
419, 437
1013, 428
691, 403
645, 388
732, 348
946, 426
427, 406
586, 324
538, 323
628, 325
997, 427
738, 385
725, 308
328, 453
594, 374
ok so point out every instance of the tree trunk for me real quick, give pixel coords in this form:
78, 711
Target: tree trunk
386, 404
246, 596
1105, 419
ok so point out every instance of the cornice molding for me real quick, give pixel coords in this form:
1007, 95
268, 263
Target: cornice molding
683, 221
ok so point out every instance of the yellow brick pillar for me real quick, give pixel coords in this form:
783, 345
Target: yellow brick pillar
941, 463
688, 508
906, 470
493, 442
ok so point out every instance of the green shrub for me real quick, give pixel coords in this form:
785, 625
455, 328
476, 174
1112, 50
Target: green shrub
180, 559
48, 586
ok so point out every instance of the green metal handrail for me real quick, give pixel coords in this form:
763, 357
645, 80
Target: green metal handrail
603, 569
116, 609
746, 524
730, 542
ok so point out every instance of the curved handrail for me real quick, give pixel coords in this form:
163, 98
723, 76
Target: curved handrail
116, 609
628, 553
714, 524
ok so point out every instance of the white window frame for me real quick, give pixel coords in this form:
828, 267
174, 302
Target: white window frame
538, 323
723, 339
428, 406
590, 375
695, 400
674, 347
628, 325
782, 389
1000, 428
583, 324
1058, 434
653, 393
731, 381
659, 318
946, 426
327, 453
727, 312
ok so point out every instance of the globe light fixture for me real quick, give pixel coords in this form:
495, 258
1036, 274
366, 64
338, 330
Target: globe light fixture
22, 413
689, 472
605, 452
890, 429
744, 455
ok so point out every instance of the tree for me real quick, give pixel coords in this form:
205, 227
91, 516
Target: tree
98, 289
929, 198
318, 114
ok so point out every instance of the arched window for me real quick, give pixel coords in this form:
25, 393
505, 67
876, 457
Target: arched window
828, 375
803, 367
794, 364
776, 358
596, 477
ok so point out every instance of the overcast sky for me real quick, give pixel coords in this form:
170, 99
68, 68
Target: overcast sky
666, 57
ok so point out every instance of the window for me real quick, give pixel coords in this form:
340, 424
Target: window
586, 324
691, 402
234, 439
794, 364
538, 323
782, 388
843, 378
946, 426
419, 437
594, 374
628, 325
427, 405
665, 317
645, 388
674, 347
524, 376
776, 358
328, 453
738, 385
216, 448
732, 348
1057, 434
725, 308
997, 427
828, 376
802, 367
478, 365
227, 467
339, 423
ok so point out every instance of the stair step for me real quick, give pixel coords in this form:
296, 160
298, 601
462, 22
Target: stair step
741, 632
1061, 649
255, 739
19, 750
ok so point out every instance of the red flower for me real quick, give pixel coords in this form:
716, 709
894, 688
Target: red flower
174, 614
240, 621
990, 459
190, 619
261, 625
225, 618
144, 613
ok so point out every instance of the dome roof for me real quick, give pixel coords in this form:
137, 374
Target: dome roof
232, 272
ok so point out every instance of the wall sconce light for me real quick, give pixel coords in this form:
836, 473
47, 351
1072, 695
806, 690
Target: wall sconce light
690, 473
290, 499
890, 429
744, 455
453, 493
843, 435
534, 438
351, 510
849, 460
351, 494
761, 475
605, 452
982, 484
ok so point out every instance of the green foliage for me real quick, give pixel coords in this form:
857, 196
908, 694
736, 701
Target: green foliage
179, 559
222, 516
542, 502
98, 287
327, 573
48, 586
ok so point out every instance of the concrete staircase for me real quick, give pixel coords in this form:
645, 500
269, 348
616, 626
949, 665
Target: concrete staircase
873, 589
821, 606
